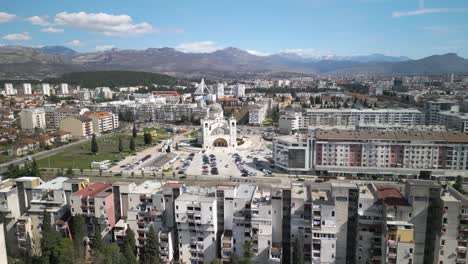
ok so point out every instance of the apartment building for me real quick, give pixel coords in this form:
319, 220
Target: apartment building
26, 88
96, 204
33, 118
452, 120
45, 88
257, 114
55, 115
103, 121
349, 118
371, 152
196, 218
9, 209
77, 126
9, 89
432, 107
63, 88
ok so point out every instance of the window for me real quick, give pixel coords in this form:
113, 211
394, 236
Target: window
333, 213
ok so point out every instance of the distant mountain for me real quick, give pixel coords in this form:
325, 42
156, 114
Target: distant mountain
22, 62
61, 50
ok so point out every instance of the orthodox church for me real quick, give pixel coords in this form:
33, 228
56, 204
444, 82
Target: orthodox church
216, 131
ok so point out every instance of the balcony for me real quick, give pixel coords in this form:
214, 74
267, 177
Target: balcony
392, 243
461, 249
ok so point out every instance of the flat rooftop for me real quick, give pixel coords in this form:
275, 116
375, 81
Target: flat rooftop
54, 184
246, 191
147, 187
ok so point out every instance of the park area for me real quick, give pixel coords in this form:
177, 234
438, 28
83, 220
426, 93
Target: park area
158, 134
80, 156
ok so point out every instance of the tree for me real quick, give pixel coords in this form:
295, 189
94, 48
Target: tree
248, 254
50, 238
298, 254
63, 252
94, 145
132, 144
128, 247
97, 242
34, 169
120, 145
109, 254
458, 185
216, 261
78, 233
150, 254
69, 172
147, 138
134, 131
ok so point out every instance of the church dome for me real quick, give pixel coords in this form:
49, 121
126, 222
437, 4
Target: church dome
216, 108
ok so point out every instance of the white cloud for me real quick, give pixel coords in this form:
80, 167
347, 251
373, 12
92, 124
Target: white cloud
198, 47
52, 30
102, 23
5, 17
258, 53
104, 47
426, 11
74, 43
18, 37
40, 21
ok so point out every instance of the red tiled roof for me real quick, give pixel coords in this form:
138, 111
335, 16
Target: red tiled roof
27, 141
60, 133
392, 197
93, 189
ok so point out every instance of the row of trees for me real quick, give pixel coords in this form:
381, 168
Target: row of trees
29, 169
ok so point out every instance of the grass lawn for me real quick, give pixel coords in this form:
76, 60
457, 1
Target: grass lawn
268, 121
162, 134
80, 157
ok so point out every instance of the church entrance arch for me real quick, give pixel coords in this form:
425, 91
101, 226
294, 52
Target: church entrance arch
220, 142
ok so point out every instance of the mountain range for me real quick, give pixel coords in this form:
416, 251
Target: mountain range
36, 63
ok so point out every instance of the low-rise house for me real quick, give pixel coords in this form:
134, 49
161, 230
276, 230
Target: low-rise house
26, 146
61, 136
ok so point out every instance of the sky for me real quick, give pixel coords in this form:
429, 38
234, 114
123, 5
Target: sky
413, 28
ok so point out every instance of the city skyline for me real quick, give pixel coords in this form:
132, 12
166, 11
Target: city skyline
308, 28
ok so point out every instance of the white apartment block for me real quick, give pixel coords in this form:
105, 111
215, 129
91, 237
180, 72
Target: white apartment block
9, 89
86, 94
26, 88
219, 90
452, 120
431, 108
196, 217
103, 121
239, 90
64, 89
33, 118
257, 114
45, 87
349, 118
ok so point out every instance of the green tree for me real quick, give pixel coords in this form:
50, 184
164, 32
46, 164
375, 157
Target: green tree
132, 144
50, 238
70, 172
34, 169
458, 185
216, 261
63, 252
248, 254
78, 233
147, 138
134, 131
120, 145
150, 254
128, 247
94, 145
97, 241
109, 254
298, 254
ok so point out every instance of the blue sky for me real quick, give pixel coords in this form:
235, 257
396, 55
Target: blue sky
414, 28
